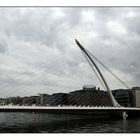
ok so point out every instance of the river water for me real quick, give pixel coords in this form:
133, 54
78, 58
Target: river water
58, 123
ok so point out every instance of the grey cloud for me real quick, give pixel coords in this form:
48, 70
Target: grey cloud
2, 46
41, 49
73, 16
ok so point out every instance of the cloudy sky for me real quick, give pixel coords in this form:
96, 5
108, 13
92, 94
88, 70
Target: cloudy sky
38, 53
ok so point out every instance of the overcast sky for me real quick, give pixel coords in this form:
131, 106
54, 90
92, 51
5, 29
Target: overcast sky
38, 53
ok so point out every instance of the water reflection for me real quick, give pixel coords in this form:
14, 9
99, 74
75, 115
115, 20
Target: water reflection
58, 123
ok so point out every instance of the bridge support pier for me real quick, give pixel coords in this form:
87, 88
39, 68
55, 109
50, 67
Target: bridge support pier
124, 115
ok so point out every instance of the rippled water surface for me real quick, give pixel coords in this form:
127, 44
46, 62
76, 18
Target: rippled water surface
58, 123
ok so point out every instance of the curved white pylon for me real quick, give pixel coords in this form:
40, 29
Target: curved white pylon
114, 102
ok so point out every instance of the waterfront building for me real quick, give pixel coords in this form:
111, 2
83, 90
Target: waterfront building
128, 98
54, 99
32, 100
43, 97
13, 101
2, 101
89, 97
136, 90
124, 97
89, 87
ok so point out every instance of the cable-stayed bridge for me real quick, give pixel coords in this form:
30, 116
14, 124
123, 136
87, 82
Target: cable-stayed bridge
110, 107
96, 111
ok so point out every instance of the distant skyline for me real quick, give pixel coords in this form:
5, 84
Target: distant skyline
38, 53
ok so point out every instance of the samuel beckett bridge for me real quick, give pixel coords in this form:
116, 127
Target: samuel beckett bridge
91, 103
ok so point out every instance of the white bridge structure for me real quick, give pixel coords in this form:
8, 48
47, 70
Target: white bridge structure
116, 110
99, 111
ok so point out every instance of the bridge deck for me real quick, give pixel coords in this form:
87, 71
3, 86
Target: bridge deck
96, 111
68, 108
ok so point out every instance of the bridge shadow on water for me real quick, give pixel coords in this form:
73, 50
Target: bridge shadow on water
60, 123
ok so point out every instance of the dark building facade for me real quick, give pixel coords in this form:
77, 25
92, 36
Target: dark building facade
54, 99
89, 97
32, 100
124, 97
2, 101
136, 91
